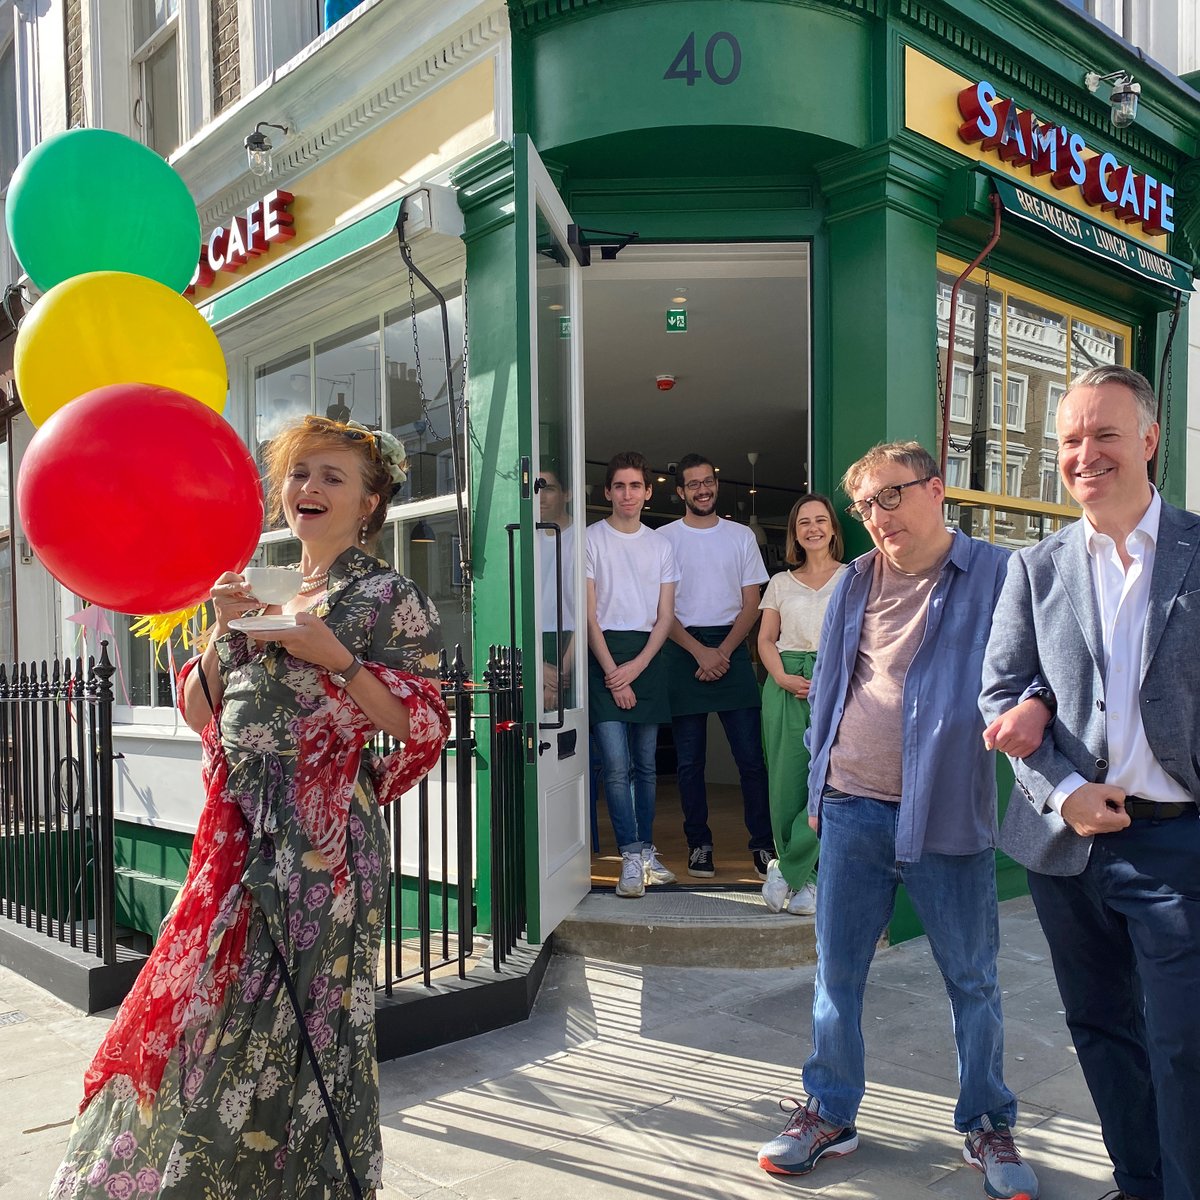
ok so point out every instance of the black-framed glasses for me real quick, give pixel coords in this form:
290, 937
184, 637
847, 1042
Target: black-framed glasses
328, 425
887, 498
694, 485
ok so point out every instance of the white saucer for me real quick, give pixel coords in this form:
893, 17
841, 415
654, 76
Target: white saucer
268, 624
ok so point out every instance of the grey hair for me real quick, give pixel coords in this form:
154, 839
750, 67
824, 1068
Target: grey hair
1135, 381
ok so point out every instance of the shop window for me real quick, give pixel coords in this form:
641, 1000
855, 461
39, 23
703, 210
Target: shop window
379, 371
1028, 349
156, 73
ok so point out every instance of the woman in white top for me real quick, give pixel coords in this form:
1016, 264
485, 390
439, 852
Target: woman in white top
793, 608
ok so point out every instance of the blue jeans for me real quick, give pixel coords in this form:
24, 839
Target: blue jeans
1124, 938
955, 898
744, 731
627, 759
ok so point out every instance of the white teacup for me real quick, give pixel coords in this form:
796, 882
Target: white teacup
272, 585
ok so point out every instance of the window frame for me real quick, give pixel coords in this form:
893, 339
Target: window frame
1004, 291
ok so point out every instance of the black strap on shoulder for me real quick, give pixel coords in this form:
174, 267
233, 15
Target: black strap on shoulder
334, 1123
204, 687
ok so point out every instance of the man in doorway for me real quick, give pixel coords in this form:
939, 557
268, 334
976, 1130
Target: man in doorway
902, 790
1107, 613
721, 574
631, 579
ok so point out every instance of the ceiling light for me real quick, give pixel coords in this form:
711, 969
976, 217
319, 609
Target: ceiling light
555, 307
678, 299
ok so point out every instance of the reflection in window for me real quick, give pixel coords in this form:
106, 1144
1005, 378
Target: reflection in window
8, 113
1011, 370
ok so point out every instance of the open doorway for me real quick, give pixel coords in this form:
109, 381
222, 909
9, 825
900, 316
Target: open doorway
729, 379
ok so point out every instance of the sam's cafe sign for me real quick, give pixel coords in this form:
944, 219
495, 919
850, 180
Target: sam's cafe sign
1021, 140
230, 247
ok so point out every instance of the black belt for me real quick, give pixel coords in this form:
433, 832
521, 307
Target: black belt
1137, 809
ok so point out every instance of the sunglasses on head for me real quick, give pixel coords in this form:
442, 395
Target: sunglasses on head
328, 425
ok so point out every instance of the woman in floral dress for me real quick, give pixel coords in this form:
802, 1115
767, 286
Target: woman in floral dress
205, 1087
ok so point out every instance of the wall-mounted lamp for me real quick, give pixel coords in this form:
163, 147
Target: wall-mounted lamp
422, 534
258, 148
1124, 98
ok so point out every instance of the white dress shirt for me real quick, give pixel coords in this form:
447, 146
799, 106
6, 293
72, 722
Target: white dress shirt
1122, 599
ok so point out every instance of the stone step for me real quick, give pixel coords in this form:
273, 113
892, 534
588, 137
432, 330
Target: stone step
682, 927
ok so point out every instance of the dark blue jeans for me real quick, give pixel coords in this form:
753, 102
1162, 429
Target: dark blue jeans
955, 897
744, 732
1125, 941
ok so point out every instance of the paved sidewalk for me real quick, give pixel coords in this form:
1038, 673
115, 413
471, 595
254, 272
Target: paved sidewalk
654, 1083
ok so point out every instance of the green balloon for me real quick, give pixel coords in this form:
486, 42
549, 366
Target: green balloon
95, 200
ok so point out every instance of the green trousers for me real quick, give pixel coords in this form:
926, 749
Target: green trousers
784, 724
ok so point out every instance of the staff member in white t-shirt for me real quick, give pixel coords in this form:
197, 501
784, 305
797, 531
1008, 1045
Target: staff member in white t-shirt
716, 605
793, 607
631, 579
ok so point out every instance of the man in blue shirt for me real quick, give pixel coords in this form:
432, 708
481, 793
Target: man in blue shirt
903, 790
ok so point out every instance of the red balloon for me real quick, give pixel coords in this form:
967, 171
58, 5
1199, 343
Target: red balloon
137, 497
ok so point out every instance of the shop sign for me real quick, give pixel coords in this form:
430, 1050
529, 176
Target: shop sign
1088, 235
230, 247
677, 320
1021, 140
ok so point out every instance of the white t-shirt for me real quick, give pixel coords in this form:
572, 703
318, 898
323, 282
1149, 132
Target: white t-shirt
801, 610
545, 545
628, 570
714, 565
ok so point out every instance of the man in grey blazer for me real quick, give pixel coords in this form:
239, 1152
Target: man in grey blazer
1106, 614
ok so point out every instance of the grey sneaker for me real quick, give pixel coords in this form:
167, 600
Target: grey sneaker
1006, 1175
805, 1140
775, 891
653, 870
804, 902
632, 882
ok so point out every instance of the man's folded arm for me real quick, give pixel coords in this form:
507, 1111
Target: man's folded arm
1011, 674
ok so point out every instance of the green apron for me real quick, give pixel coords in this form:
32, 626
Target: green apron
737, 688
653, 706
784, 723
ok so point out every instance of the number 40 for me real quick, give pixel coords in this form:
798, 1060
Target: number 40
683, 66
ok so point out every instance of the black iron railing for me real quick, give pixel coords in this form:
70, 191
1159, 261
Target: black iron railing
434, 915
57, 839
56, 791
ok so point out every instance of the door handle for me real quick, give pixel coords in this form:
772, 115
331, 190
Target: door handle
558, 618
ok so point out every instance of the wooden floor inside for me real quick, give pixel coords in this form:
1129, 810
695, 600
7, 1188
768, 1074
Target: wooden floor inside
730, 855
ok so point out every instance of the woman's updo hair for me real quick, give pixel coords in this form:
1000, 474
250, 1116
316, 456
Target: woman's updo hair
314, 435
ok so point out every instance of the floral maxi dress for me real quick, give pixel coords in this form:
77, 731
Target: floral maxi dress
202, 1088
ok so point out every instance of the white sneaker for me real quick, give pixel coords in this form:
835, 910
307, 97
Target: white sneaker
632, 882
653, 870
804, 902
775, 892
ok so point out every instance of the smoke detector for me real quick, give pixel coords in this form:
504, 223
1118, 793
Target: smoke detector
664, 383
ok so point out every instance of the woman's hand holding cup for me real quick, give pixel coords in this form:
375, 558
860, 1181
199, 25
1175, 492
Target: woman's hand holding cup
231, 598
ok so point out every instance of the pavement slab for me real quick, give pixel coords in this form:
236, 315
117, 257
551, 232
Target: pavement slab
655, 1083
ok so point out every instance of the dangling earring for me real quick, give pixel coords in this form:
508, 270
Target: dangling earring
362, 533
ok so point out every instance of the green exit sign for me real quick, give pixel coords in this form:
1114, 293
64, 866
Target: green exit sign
677, 320
564, 327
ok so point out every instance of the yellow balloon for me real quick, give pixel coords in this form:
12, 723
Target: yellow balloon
106, 327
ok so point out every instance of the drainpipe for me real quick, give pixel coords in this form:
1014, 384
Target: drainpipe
949, 374
1162, 386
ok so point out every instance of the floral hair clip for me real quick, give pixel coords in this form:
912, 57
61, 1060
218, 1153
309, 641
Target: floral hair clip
391, 452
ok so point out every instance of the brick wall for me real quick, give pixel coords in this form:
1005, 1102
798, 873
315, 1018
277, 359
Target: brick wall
227, 74
76, 108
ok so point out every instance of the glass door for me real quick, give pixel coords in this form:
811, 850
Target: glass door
560, 606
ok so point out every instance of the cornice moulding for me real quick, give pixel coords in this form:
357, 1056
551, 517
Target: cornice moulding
336, 91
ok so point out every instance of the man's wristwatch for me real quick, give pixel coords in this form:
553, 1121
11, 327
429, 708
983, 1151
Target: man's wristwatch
343, 677
1046, 696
